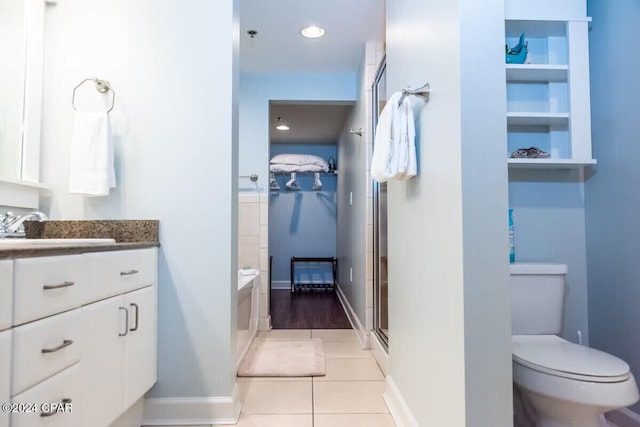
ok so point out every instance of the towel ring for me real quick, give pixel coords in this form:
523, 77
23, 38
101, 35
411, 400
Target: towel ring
102, 86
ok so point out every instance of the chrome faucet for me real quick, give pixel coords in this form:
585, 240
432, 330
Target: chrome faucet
12, 226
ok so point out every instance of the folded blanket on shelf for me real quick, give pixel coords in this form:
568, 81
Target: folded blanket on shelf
288, 168
300, 159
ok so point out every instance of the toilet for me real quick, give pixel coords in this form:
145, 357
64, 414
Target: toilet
569, 385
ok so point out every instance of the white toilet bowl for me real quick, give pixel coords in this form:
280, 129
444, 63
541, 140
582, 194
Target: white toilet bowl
570, 385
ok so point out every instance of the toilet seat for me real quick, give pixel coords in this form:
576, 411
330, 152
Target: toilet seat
558, 357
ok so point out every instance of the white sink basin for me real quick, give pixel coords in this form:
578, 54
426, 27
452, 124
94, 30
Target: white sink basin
18, 242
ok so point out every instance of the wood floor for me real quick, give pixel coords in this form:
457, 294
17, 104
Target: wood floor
307, 309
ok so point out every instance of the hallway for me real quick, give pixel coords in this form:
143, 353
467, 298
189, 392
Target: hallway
349, 395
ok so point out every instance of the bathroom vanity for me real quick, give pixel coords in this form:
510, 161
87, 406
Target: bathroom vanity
77, 332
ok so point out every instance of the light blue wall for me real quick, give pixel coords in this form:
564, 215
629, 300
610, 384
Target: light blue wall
613, 193
449, 306
256, 90
175, 129
550, 227
352, 199
303, 223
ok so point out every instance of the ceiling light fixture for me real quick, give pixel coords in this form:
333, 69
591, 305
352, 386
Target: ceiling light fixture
313, 32
281, 126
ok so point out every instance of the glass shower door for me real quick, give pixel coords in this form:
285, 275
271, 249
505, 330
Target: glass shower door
380, 278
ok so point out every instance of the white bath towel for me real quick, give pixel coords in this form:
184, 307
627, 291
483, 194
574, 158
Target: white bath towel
394, 154
91, 171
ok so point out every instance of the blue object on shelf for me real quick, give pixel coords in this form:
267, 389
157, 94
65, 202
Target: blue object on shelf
512, 246
518, 53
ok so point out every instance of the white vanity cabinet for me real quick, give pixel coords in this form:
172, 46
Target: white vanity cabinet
83, 331
6, 294
120, 360
46, 285
5, 373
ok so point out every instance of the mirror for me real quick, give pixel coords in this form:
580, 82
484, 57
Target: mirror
21, 47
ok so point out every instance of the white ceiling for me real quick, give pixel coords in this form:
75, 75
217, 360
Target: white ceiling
310, 123
279, 47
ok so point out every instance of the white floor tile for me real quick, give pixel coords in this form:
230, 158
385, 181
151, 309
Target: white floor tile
273, 379
353, 420
351, 369
328, 335
286, 333
333, 349
277, 397
349, 397
276, 420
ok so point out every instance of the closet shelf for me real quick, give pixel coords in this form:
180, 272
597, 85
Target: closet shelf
537, 73
537, 119
549, 163
335, 172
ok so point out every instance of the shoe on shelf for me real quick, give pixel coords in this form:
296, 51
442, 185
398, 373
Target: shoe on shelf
529, 153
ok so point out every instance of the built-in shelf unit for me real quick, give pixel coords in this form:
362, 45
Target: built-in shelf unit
548, 101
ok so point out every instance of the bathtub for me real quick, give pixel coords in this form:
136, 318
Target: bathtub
248, 303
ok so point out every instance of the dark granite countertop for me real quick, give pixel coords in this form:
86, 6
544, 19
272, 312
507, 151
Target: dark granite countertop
25, 251
128, 234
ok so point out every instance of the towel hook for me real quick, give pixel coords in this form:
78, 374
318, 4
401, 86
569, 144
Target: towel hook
102, 86
356, 132
423, 91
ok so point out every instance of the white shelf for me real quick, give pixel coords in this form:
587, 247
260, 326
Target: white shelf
333, 172
549, 163
537, 73
537, 119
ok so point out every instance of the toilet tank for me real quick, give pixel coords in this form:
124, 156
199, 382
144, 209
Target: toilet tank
537, 297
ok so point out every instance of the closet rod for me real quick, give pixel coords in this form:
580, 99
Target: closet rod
253, 177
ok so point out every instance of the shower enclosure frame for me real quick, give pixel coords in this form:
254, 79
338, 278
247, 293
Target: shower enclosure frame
379, 188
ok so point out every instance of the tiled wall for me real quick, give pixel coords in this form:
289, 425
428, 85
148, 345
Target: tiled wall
253, 242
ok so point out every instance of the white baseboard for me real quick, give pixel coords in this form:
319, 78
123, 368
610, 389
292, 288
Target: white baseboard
362, 334
397, 406
623, 418
264, 324
379, 353
192, 411
280, 284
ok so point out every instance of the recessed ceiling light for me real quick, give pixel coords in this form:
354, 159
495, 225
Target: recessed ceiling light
281, 126
312, 32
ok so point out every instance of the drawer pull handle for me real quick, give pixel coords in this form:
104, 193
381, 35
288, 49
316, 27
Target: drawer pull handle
126, 322
129, 273
58, 286
135, 328
65, 343
66, 401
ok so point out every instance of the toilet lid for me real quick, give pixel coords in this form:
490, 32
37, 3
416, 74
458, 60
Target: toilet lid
556, 356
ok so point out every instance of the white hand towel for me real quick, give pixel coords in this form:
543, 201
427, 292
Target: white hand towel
406, 141
91, 167
394, 151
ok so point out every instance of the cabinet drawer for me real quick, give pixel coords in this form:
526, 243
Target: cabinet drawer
63, 387
5, 373
117, 272
44, 348
6, 294
45, 286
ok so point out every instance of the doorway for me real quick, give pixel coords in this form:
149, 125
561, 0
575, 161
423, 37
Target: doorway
303, 139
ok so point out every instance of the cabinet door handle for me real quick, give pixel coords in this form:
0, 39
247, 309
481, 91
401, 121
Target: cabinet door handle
65, 343
58, 286
129, 273
135, 328
126, 321
66, 401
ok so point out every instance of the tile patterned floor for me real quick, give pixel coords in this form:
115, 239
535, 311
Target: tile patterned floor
350, 395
